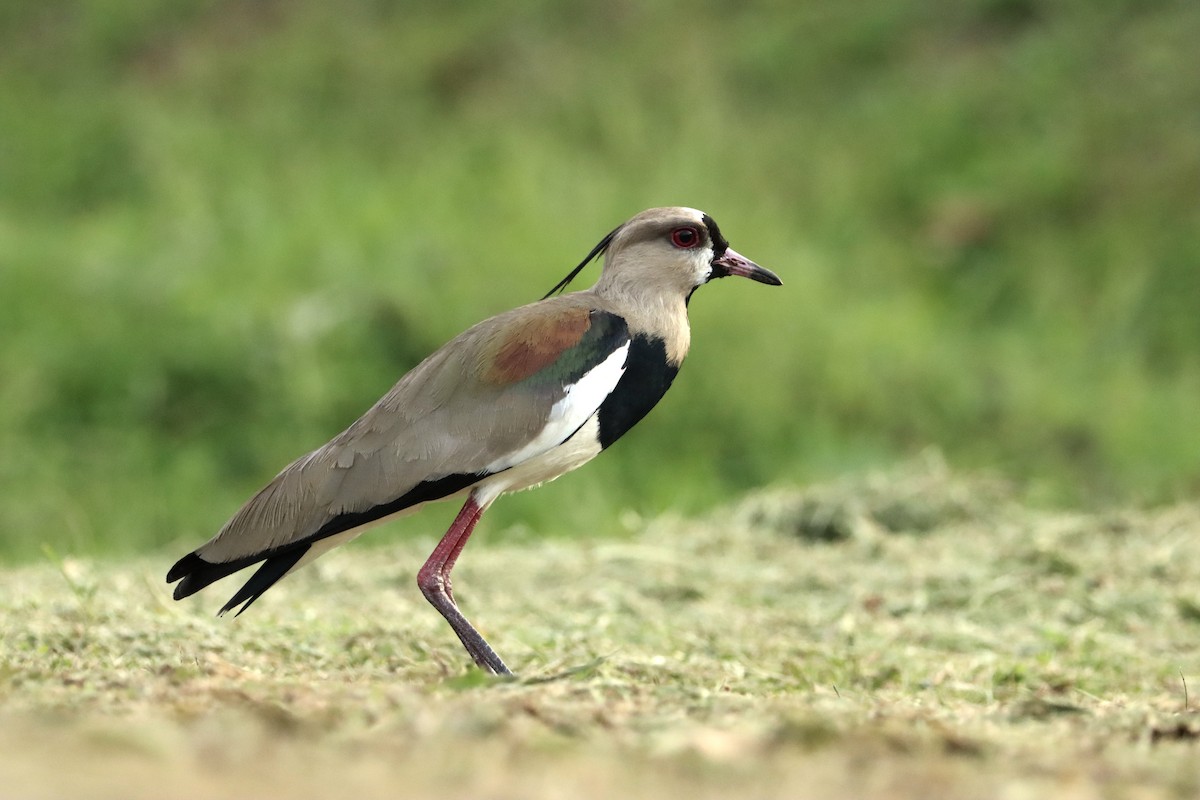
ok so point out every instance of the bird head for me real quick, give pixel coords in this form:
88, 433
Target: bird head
673, 250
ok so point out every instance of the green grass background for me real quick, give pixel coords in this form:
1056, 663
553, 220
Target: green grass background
227, 227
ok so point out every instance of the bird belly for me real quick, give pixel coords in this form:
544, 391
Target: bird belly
579, 448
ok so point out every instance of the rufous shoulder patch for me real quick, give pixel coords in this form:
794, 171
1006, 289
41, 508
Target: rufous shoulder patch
528, 346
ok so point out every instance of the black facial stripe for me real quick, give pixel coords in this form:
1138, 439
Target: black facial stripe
720, 243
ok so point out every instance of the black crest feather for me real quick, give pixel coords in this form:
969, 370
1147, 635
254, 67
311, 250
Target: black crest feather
597, 250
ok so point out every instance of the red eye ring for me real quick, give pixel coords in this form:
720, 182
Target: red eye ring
685, 238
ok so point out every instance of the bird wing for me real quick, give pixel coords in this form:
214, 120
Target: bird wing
498, 394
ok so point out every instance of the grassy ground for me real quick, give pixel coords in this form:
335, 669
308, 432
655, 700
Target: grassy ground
227, 227
905, 635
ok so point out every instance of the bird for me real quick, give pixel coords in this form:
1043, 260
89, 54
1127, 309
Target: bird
514, 401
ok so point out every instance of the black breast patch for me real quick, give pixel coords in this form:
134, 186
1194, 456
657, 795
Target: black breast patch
648, 375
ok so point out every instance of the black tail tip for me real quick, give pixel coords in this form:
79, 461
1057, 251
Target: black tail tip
194, 573
185, 566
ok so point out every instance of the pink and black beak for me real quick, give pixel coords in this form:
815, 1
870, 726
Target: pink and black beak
732, 262
727, 261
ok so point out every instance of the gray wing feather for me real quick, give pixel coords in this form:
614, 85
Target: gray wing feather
427, 426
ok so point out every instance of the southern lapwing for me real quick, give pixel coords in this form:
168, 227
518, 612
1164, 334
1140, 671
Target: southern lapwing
515, 401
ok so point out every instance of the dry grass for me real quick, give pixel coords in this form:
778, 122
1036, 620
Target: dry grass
904, 635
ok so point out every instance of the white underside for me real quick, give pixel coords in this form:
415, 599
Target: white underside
323, 546
576, 451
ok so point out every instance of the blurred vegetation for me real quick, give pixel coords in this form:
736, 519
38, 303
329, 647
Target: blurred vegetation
227, 227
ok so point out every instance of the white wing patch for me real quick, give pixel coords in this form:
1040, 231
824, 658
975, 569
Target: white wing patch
581, 401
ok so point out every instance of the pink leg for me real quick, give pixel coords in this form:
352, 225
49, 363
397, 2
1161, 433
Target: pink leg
434, 581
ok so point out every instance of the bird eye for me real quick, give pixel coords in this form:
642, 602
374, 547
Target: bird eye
685, 238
